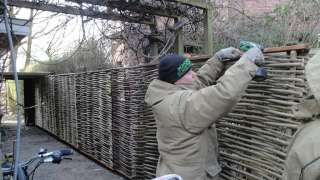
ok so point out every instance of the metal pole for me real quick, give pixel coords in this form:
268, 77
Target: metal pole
14, 68
319, 40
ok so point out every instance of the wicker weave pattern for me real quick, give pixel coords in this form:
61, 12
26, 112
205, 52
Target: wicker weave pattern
103, 114
255, 136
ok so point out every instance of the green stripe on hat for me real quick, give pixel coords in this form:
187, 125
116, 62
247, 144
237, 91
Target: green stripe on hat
184, 68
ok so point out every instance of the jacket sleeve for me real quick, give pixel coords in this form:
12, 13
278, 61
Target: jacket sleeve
303, 156
208, 73
200, 109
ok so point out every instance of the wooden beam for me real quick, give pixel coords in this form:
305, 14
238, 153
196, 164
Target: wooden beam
154, 44
77, 11
200, 58
287, 48
208, 32
179, 46
25, 75
138, 8
196, 3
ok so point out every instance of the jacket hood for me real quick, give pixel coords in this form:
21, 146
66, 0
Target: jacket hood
310, 108
158, 90
313, 75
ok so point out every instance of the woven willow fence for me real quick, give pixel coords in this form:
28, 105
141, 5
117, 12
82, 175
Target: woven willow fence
103, 114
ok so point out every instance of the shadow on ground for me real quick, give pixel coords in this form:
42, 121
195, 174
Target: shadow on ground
79, 168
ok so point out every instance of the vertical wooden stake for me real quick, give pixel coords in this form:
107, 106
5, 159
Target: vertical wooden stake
154, 44
179, 47
208, 32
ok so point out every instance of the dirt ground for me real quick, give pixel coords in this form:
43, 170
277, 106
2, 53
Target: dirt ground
79, 168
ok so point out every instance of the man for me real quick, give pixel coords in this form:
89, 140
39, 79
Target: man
303, 160
187, 105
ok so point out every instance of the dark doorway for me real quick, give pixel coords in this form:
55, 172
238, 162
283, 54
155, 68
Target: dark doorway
29, 102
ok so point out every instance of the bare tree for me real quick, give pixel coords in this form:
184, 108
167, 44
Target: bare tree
29, 44
132, 43
294, 21
92, 55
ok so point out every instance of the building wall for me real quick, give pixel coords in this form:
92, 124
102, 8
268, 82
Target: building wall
256, 7
250, 7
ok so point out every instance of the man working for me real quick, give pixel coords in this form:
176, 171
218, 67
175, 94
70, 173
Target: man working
187, 105
303, 159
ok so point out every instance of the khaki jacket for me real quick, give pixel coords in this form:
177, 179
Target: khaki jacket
186, 117
303, 160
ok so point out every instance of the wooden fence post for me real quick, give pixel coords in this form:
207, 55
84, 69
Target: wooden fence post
208, 31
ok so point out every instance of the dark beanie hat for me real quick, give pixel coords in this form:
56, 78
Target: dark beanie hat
172, 67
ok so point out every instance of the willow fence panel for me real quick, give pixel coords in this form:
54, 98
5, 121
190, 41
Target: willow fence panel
103, 114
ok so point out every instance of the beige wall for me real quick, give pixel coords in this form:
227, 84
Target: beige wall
256, 7
250, 7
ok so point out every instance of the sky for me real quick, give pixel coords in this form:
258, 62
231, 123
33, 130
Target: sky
60, 40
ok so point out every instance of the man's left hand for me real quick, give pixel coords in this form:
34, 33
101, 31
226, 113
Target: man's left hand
229, 54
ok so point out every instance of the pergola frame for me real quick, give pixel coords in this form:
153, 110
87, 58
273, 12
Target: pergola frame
140, 11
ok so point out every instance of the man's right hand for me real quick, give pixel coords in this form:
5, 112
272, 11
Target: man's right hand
254, 55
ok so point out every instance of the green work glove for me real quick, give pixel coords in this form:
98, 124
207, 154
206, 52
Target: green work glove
254, 55
228, 54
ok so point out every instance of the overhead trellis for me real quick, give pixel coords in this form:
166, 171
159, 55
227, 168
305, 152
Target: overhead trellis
133, 11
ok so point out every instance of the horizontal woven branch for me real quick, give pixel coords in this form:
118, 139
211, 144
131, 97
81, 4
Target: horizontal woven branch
103, 114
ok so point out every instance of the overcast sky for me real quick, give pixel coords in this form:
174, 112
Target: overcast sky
61, 40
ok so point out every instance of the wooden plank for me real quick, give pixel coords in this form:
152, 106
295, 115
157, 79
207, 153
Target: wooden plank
287, 48
77, 11
25, 75
208, 32
134, 7
196, 3
200, 58
179, 47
